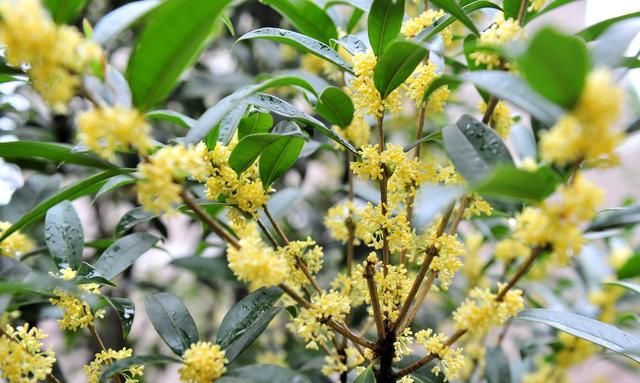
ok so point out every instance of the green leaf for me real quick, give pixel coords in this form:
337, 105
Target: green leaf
384, 23
267, 373
126, 309
518, 184
352, 44
627, 285
631, 268
64, 235
172, 116
172, 321
445, 21
249, 149
615, 218
114, 183
173, 37
444, 80
556, 66
228, 126
65, 11
497, 368
610, 48
367, 376
363, 5
335, 106
511, 88
120, 255
87, 186
118, 20
214, 270
246, 320
287, 110
138, 360
474, 148
511, 8
307, 17
278, 157
300, 42
255, 122
594, 31
454, 9
48, 151
396, 65
588, 329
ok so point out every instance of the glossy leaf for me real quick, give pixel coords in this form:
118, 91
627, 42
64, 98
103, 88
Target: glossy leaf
363, 5
118, 20
247, 319
120, 255
172, 321
453, 8
518, 184
256, 122
126, 309
474, 148
137, 360
300, 42
445, 21
64, 235
65, 11
49, 151
307, 17
615, 218
611, 46
249, 149
352, 44
367, 376
279, 157
444, 80
556, 66
511, 8
114, 183
509, 87
631, 268
588, 329
335, 106
594, 31
384, 22
396, 65
173, 37
171, 116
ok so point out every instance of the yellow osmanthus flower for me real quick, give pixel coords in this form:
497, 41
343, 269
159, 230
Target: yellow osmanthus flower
478, 206
257, 263
619, 256
411, 27
245, 191
15, 244
106, 130
537, 5
363, 90
606, 299
335, 364
501, 119
307, 252
451, 360
501, 31
23, 358
311, 322
373, 224
357, 133
547, 373
164, 172
418, 83
446, 262
574, 350
402, 345
510, 249
337, 218
76, 311
107, 357
585, 133
56, 56
481, 310
204, 362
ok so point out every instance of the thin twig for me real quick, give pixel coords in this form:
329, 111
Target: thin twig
464, 203
210, 221
383, 196
375, 302
413, 367
351, 228
96, 336
274, 223
420, 297
267, 233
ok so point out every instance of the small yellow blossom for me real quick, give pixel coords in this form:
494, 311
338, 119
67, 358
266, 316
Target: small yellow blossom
337, 220
574, 350
607, 299
619, 256
76, 311
510, 249
547, 373
163, 173
270, 357
15, 244
363, 90
107, 357
306, 252
501, 31
481, 310
335, 363
451, 360
374, 224
501, 119
402, 345
106, 130
413, 26
446, 261
204, 362
23, 358
357, 133
311, 322
537, 5
419, 82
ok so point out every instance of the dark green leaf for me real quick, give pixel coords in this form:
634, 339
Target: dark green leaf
454, 9
246, 320
588, 329
363, 5
509, 87
87, 186
497, 368
301, 42
126, 309
172, 321
138, 360
511, 8
118, 20
114, 183
307, 17
65, 11
120, 255
48, 151
396, 65
445, 21
267, 373
64, 235
367, 376
171, 116
631, 268
384, 23
255, 122
594, 31
444, 80
518, 184
352, 44
278, 157
229, 125
615, 218
610, 48
556, 66
174, 35
133, 217
474, 148
335, 106
249, 149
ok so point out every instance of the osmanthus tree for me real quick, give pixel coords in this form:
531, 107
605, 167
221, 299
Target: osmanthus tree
408, 267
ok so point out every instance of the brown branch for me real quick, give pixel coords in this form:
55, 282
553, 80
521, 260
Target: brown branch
267, 233
413, 367
351, 228
210, 221
522, 270
383, 197
464, 203
275, 225
420, 297
375, 302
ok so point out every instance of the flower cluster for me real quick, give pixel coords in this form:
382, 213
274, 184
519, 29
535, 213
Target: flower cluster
335, 363
106, 130
204, 362
106, 357
585, 133
15, 244
482, 309
411, 27
23, 358
420, 81
76, 311
357, 133
163, 173
338, 218
451, 360
447, 262
311, 322
306, 253
501, 119
56, 56
501, 32
363, 90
